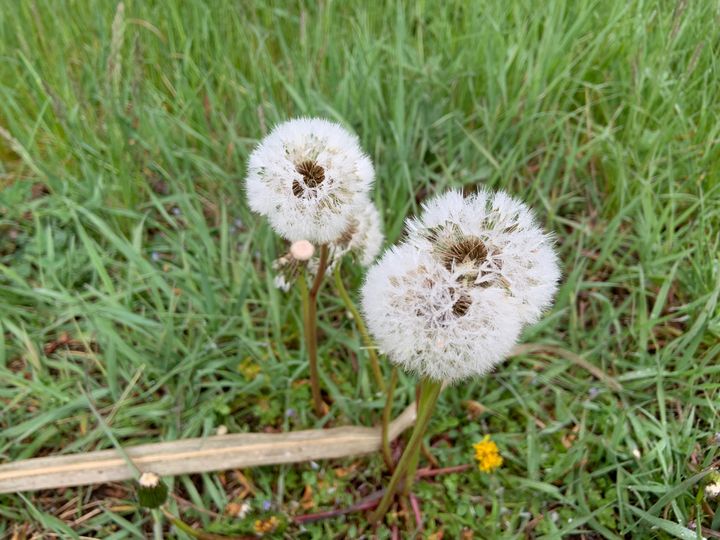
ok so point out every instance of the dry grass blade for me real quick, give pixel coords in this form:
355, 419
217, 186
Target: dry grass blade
198, 455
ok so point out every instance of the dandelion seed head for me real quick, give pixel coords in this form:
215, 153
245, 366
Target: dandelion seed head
306, 176
490, 240
363, 235
362, 238
430, 324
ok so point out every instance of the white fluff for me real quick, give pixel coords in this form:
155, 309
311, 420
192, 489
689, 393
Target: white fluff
520, 257
299, 210
363, 236
287, 270
411, 304
450, 302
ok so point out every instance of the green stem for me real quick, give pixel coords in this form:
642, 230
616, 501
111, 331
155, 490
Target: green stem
309, 306
157, 525
431, 391
387, 412
422, 397
357, 317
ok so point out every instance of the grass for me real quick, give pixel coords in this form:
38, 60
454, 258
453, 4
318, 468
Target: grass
132, 270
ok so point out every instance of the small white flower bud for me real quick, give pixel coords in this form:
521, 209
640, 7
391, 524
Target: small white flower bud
149, 479
302, 250
151, 490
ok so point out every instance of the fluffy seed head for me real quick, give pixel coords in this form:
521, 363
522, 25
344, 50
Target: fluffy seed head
363, 238
451, 301
363, 235
490, 240
306, 176
431, 324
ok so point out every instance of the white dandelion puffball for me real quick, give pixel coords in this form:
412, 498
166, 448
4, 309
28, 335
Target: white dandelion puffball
429, 323
363, 235
491, 241
306, 176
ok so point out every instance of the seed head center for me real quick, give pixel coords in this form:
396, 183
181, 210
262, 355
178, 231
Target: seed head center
468, 249
312, 173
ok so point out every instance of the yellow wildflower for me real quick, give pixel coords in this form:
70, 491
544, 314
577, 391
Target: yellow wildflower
487, 455
266, 526
249, 369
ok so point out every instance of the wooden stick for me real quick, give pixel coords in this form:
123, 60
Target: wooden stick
189, 456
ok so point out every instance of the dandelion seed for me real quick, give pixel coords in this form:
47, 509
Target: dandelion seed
487, 455
306, 176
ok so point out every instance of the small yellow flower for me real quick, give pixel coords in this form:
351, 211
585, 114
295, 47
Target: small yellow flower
266, 526
249, 369
487, 455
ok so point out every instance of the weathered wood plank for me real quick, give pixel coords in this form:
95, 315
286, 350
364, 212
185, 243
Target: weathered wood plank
197, 455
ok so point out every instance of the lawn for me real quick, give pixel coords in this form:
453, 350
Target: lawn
133, 275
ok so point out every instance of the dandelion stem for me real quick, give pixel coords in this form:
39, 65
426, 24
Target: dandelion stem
157, 524
429, 394
387, 411
422, 395
360, 323
309, 305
